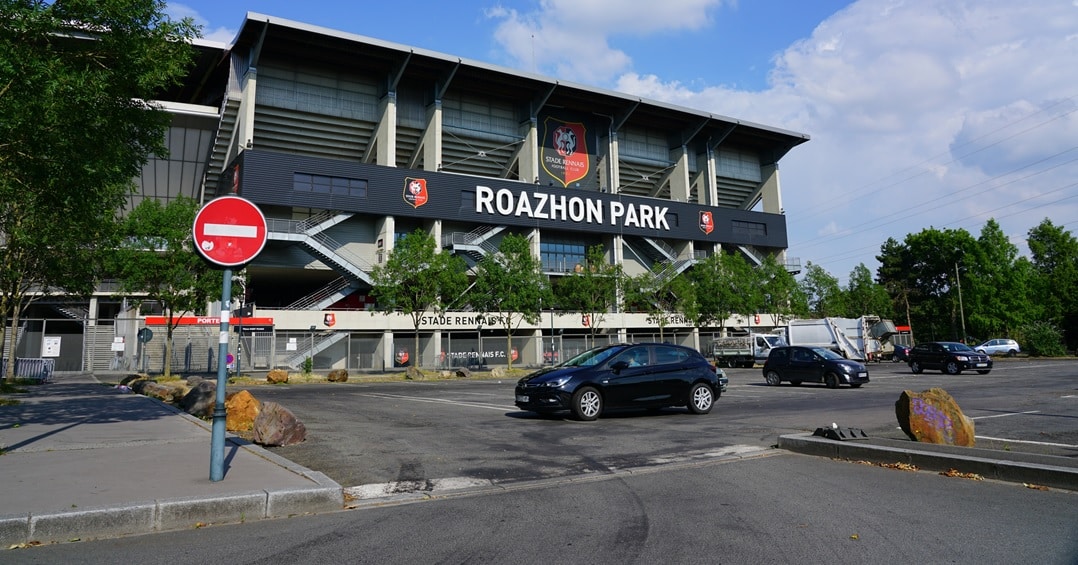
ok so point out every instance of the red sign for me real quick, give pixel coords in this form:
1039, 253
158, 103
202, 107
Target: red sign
230, 231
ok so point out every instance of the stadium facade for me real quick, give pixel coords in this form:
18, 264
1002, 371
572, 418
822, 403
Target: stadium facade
346, 143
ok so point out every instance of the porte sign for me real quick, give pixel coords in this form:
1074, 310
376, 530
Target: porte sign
230, 231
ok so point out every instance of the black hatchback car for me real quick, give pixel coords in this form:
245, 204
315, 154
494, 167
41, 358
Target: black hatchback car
950, 357
797, 364
641, 375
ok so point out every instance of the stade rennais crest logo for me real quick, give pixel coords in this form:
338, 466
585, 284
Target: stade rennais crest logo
707, 222
565, 152
415, 192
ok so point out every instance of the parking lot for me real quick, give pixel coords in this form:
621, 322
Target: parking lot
417, 432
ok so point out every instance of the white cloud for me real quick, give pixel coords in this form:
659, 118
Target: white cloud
180, 11
919, 112
569, 38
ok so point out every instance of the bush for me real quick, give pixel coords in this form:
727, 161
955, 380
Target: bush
1043, 339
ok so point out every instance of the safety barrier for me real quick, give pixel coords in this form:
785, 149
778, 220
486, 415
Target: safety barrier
30, 368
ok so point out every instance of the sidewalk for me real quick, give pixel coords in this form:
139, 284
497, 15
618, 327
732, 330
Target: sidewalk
82, 460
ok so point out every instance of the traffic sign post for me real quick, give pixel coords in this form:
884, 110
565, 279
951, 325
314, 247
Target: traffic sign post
228, 231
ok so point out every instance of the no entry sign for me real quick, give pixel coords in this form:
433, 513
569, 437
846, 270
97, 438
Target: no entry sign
230, 231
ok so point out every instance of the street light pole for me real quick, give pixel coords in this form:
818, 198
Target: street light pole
961, 311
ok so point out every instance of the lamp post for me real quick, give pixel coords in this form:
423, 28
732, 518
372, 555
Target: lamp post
961, 311
312, 347
552, 358
479, 334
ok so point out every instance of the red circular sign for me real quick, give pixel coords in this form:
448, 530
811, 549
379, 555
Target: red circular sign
230, 231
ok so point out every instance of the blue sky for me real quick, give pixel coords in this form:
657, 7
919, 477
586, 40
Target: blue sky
923, 113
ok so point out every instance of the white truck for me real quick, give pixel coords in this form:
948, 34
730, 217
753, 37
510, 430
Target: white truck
861, 339
744, 350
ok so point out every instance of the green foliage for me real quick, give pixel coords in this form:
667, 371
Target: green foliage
714, 289
308, 365
511, 285
417, 278
74, 131
593, 290
1042, 339
779, 292
1055, 262
863, 296
822, 291
155, 259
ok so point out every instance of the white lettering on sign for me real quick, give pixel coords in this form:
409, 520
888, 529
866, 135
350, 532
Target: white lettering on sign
232, 230
542, 206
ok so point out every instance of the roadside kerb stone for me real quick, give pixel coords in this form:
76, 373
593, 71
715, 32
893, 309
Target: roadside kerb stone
1008, 467
182, 513
93, 522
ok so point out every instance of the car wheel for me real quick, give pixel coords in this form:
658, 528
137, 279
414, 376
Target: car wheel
951, 368
916, 367
831, 380
731, 363
795, 383
773, 378
701, 399
1012, 353
587, 404
982, 372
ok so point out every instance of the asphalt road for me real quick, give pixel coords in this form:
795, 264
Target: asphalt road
552, 495
417, 432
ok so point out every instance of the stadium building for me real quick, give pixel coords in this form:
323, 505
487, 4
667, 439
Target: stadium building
346, 143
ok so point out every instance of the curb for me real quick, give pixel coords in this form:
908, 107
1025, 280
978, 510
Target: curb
1044, 470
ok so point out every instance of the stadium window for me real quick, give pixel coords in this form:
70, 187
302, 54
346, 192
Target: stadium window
329, 185
749, 228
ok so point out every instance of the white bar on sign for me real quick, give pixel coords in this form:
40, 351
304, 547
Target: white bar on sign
231, 230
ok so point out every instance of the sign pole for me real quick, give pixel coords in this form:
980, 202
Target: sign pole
217, 442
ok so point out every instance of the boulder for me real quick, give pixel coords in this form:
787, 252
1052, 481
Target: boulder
463, 372
276, 425
277, 376
241, 410
199, 400
337, 376
138, 386
499, 372
933, 416
413, 374
193, 380
165, 393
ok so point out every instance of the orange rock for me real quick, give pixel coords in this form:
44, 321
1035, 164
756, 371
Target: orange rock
277, 376
241, 410
933, 416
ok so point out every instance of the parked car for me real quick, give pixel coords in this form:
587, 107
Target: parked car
1007, 347
643, 375
950, 357
902, 353
797, 364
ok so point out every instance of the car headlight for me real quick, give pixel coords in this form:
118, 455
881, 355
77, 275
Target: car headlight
961, 357
558, 382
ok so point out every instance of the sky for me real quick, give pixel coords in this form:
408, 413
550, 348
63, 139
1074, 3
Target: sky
922, 113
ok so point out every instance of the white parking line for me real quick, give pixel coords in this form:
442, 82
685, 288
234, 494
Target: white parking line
1029, 442
439, 401
1005, 415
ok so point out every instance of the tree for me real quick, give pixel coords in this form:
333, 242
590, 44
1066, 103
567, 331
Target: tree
997, 288
156, 260
418, 278
716, 289
75, 129
593, 290
822, 291
655, 295
863, 296
1055, 260
781, 296
511, 284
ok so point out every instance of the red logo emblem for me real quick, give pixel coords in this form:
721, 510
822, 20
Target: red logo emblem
415, 192
565, 151
707, 222
330, 319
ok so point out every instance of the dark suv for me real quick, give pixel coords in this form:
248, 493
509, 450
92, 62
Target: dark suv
950, 357
797, 364
625, 375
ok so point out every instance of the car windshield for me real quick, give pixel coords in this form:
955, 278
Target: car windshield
956, 347
826, 353
594, 356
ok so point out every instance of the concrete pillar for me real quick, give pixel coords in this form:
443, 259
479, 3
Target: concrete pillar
528, 159
679, 177
432, 137
386, 132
